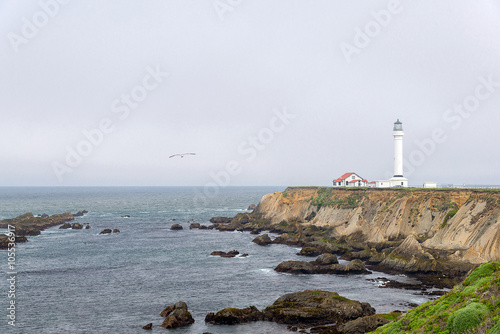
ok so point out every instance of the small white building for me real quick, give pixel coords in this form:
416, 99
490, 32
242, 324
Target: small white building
430, 185
350, 180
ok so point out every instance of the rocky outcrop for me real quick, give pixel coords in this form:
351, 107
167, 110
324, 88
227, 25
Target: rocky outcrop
326, 259
194, 225
263, 240
106, 231
231, 316
5, 240
65, 226
80, 213
309, 251
316, 307
251, 207
148, 326
176, 315
176, 227
77, 226
410, 257
29, 225
461, 225
116, 230
220, 220
232, 253
365, 324
320, 267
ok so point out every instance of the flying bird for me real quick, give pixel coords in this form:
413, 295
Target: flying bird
181, 155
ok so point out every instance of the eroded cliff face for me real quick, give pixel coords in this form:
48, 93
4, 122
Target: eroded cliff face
464, 224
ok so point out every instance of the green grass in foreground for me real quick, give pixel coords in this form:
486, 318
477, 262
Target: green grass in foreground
471, 307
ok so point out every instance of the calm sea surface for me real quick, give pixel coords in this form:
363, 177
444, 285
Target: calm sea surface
77, 281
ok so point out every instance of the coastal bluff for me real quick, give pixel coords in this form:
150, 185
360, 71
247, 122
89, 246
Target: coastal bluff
459, 225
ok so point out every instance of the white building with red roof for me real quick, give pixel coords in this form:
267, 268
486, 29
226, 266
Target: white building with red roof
350, 180
398, 180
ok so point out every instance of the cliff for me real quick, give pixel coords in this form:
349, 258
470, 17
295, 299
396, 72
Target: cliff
461, 225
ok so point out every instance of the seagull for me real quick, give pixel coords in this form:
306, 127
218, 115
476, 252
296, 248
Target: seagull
181, 155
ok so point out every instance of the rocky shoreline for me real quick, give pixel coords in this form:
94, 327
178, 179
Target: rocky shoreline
405, 256
321, 246
30, 225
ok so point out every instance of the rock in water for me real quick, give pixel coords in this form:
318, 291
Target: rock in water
251, 207
231, 316
176, 227
176, 315
232, 253
263, 240
316, 307
106, 231
77, 226
326, 259
65, 226
80, 213
309, 251
194, 225
314, 267
116, 230
148, 326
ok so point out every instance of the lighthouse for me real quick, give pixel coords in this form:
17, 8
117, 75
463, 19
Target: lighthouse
398, 134
398, 180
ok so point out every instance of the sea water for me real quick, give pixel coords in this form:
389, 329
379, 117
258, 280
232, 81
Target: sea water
78, 281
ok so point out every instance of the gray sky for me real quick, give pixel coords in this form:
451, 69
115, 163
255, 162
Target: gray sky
265, 92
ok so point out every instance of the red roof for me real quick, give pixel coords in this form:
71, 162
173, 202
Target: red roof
346, 175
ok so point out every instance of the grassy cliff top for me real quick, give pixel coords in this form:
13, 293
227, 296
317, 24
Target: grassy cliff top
408, 189
471, 307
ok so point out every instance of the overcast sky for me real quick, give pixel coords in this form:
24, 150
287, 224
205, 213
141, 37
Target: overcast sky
264, 92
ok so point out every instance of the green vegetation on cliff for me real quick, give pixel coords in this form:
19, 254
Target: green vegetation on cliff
471, 307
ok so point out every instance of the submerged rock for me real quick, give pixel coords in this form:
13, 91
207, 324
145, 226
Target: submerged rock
106, 231
176, 227
231, 316
176, 315
148, 326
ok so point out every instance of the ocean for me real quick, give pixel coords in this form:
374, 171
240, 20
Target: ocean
78, 281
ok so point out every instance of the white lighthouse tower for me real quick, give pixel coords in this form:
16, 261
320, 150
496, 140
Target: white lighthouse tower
398, 180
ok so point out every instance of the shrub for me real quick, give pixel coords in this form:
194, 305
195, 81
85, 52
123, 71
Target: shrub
448, 216
484, 270
467, 318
